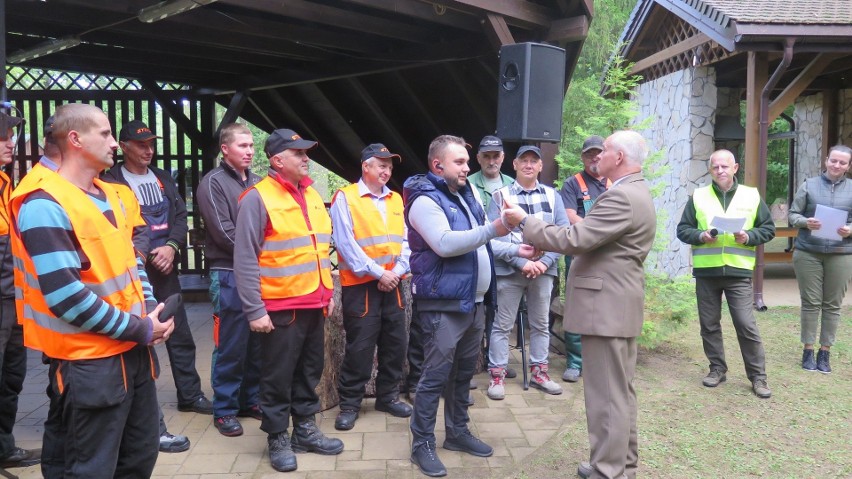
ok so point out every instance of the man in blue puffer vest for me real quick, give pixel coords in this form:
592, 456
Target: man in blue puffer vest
452, 283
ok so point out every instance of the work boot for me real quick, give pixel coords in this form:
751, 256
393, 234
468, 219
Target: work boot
808, 361
540, 380
19, 457
281, 454
822, 361
173, 443
714, 378
572, 375
345, 419
496, 390
760, 388
307, 437
394, 407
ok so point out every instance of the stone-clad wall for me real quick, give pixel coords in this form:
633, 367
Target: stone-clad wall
845, 123
681, 108
807, 113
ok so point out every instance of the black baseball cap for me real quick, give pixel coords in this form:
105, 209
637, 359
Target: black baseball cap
527, 148
593, 142
285, 139
135, 130
377, 150
490, 143
8, 121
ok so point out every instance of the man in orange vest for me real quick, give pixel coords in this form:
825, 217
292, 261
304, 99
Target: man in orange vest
578, 194
369, 232
283, 276
85, 303
13, 355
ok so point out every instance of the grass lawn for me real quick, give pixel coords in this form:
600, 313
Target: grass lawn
689, 431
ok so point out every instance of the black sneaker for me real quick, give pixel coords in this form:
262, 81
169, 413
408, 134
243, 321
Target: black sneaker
228, 426
307, 437
281, 454
173, 443
470, 444
823, 365
808, 361
395, 408
253, 412
201, 405
714, 378
425, 457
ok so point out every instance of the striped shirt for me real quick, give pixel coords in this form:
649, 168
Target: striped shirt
49, 239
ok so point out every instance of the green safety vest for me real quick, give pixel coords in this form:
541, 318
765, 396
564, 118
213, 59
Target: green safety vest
725, 251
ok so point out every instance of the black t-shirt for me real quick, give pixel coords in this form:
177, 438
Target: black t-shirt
572, 196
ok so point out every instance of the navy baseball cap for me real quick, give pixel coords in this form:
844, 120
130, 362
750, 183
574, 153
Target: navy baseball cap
377, 150
490, 143
527, 148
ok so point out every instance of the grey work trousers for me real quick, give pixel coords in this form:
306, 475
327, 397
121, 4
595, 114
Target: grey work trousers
823, 280
738, 292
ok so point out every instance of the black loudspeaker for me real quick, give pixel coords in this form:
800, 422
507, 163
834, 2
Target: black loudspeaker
530, 93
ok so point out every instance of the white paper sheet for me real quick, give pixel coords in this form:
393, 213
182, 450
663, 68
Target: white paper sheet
728, 225
831, 219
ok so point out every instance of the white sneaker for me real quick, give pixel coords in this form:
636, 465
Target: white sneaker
496, 390
541, 380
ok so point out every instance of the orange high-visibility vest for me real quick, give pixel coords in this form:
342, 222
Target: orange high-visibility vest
380, 239
293, 258
113, 274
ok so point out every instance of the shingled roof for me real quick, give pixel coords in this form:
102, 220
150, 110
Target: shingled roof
807, 12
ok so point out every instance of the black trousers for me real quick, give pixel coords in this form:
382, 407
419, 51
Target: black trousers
415, 349
13, 369
181, 345
291, 361
109, 415
371, 318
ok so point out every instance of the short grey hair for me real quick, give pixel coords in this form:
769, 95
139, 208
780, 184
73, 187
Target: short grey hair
631, 144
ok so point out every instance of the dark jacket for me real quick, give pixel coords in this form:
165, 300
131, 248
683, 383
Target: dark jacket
7, 283
762, 232
820, 190
177, 211
444, 284
217, 198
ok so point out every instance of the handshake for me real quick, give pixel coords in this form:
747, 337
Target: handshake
511, 215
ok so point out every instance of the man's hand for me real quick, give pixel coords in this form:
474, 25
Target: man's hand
329, 310
814, 224
530, 270
844, 231
528, 251
706, 237
388, 281
540, 266
163, 258
512, 215
741, 237
262, 324
161, 331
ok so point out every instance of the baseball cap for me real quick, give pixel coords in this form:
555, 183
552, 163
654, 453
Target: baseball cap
593, 142
8, 121
377, 150
284, 139
527, 148
135, 130
490, 143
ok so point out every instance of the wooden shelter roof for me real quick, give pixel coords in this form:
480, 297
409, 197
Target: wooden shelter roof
344, 72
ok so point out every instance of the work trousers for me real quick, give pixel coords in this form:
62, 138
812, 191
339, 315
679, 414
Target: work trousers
611, 406
415, 349
738, 292
510, 289
372, 319
292, 359
181, 345
236, 371
452, 341
109, 414
52, 446
823, 280
13, 369
573, 345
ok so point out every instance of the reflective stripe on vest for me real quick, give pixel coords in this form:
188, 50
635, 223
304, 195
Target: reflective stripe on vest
293, 258
380, 239
113, 274
725, 251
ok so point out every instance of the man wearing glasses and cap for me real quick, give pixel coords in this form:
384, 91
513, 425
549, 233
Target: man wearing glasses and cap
283, 271
369, 232
489, 178
13, 355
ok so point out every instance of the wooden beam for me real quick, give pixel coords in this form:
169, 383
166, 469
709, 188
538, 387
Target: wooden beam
423, 11
497, 30
799, 84
674, 50
175, 113
830, 128
517, 12
474, 99
336, 124
568, 29
235, 107
758, 72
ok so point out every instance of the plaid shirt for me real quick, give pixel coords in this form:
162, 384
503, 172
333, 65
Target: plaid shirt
536, 202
